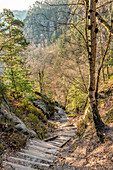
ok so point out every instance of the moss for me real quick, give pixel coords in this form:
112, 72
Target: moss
31, 109
32, 97
39, 97
46, 135
24, 104
40, 136
42, 117
107, 86
43, 128
71, 115
41, 133
1, 149
28, 108
100, 102
52, 125
38, 112
43, 96
33, 118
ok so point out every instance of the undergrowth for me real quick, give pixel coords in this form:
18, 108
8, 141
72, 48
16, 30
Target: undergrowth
31, 116
10, 137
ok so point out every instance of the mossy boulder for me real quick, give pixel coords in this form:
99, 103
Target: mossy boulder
18, 124
45, 106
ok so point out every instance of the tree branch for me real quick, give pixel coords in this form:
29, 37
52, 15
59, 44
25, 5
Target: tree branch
70, 4
106, 3
105, 23
101, 66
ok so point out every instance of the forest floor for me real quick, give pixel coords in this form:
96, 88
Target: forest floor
87, 152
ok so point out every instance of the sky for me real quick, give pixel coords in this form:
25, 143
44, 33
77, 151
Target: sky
16, 4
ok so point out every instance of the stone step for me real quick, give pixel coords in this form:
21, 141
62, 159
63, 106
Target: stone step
58, 144
31, 164
65, 131
62, 120
34, 158
39, 154
58, 141
66, 134
51, 138
63, 138
44, 144
67, 124
66, 128
17, 166
41, 149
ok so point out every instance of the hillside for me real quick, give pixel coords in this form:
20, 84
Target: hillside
85, 151
20, 14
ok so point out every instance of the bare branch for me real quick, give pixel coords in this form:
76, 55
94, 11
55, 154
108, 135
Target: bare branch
101, 66
106, 3
105, 23
70, 4
79, 32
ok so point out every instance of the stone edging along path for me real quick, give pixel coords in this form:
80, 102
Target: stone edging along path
42, 154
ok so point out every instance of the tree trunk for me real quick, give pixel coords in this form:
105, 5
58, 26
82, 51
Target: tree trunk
100, 68
41, 80
103, 75
92, 60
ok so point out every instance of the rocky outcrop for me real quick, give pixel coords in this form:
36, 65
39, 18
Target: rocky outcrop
47, 108
18, 124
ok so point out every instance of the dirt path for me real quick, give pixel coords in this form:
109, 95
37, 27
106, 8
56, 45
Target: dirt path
42, 154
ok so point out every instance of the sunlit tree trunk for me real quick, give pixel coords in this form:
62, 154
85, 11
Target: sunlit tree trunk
41, 80
92, 60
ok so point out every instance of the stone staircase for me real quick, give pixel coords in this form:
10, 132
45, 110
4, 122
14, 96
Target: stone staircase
41, 154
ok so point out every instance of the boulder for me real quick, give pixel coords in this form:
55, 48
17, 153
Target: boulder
18, 124
44, 105
20, 127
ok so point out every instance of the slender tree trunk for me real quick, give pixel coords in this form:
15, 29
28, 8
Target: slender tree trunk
65, 100
16, 97
92, 60
103, 75
41, 80
100, 68
108, 71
